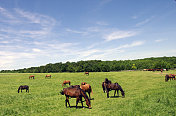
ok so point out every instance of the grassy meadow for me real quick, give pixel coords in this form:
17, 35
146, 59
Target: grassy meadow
146, 93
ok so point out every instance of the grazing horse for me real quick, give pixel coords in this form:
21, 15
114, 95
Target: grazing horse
48, 76
31, 76
86, 87
171, 76
86, 73
75, 92
66, 82
113, 86
23, 87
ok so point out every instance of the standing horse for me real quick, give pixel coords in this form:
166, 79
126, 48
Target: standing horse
86, 87
23, 87
66, 82
75, 92
48, 76
31, 76
86, 73
113, 86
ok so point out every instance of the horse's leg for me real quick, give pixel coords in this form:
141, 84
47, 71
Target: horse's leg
118, 92
115, 92
77, 100
89, 94
81, 101
67, 100
21, 90
107, 94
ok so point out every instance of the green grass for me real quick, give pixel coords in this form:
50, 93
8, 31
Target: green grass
146, 93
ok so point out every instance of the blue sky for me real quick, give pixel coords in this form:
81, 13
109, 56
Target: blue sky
38, 32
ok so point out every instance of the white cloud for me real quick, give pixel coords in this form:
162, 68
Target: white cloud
101, 23
160, 40
144, 21
119, 35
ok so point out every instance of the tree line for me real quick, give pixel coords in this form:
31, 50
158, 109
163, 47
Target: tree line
101, 66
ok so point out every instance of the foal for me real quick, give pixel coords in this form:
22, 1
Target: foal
23, 87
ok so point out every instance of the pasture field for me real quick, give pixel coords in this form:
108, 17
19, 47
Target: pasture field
146, 93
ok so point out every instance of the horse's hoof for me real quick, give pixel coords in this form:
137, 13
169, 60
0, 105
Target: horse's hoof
90, 107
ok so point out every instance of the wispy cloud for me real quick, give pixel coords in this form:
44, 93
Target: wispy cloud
145, 21
119, 35
101, 23
160, 40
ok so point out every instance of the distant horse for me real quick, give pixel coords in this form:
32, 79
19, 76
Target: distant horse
113, 86
86, 73
31, 76
48, 76
66, 82
166, 78
23, 87
86, 87
75, 92
171, 76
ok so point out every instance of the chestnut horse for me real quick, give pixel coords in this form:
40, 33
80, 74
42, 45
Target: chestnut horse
48, 76
31, 76
66, 82
86, 73
23, 87
170, 76
86, 87
75, 92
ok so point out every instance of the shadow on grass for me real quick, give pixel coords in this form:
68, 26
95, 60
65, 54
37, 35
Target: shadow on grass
115, 96
78, 107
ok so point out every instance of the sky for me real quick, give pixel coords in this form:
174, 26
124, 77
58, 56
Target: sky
38, 32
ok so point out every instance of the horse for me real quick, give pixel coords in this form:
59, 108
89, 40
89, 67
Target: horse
66, 82
86, 73
48, 76
105, 82
86, 87
31, 76
113, 86
166, 78
23, 87
171, 76
75, 92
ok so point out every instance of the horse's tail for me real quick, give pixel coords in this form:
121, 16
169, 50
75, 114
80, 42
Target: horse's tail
91, 89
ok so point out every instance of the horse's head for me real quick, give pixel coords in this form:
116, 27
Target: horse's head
123, 94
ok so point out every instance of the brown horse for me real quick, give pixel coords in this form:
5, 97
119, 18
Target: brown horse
66, 82
108, 86
86, 73
86, 87
75, 92
47, 76
31, 76
23, 87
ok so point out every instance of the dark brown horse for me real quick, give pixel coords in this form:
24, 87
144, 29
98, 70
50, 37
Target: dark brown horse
31, 76
47, 76
86, 87
112, 86
75, 92
66, 82
23, 87
86, 73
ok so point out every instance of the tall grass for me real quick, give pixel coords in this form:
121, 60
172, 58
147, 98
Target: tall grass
146, 93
